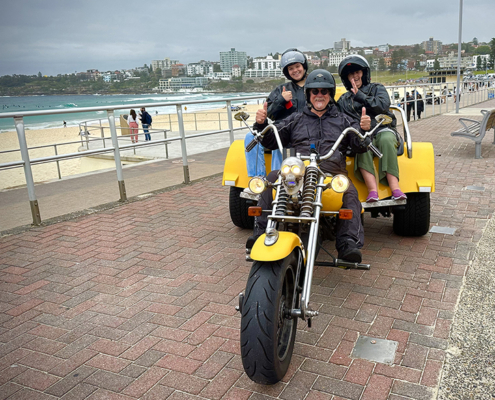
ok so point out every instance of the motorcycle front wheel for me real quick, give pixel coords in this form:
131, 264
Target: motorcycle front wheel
267, 329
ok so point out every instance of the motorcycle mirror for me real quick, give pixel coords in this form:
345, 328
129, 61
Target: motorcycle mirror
383, 119
241, 116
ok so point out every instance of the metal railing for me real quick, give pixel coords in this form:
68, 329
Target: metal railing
482, 92
440, 95
27, 163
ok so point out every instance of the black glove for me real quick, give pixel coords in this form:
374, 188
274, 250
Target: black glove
365, 142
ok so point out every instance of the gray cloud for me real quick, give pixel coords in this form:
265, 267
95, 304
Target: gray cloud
61, 36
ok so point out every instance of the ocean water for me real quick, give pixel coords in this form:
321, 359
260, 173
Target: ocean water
21, 104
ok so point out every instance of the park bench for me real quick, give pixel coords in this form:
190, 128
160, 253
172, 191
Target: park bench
476, 130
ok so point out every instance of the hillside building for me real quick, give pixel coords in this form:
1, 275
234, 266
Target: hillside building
230, 58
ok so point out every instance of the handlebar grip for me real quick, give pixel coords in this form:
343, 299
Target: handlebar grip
375, 151
251, 145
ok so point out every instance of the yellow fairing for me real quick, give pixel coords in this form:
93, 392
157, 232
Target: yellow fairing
331, 200
235, 169
339, 91
286, 243
415, 174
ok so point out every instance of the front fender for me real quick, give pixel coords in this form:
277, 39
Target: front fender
286, 243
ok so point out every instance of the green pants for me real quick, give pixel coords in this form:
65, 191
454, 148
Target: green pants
387, 143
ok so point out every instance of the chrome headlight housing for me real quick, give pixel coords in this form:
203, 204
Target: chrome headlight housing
339, 183
257, 184
292, 173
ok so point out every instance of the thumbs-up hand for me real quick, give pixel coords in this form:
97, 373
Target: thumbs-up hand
261, 114
365, 120
286, 94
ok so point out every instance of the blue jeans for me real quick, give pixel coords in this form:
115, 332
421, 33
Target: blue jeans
147, 135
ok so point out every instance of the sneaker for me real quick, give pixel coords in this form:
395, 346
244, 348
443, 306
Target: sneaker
372, 197
351, 254
398, 195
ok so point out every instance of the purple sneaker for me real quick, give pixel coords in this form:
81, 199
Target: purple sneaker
372, 197
398, 195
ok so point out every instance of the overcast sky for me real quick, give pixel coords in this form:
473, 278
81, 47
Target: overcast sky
65, 36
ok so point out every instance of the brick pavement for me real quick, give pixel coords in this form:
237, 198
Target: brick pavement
138, 301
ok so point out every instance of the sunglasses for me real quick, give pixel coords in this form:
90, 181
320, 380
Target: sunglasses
324, 92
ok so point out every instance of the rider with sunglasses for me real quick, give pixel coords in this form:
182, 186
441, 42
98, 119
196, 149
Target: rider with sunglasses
319, 124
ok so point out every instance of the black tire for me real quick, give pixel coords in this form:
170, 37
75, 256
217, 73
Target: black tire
267, 337
238, 208
414, 220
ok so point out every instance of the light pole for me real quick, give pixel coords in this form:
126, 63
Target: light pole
459, 60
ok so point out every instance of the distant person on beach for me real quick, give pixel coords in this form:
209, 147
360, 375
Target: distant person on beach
132, 120
65, 124
145, 122
355, 73
283, 101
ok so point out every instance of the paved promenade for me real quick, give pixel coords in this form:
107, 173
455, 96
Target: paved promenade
136, 301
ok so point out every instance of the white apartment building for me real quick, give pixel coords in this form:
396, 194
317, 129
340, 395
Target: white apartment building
201, 68
264, 67
217, 76
334, 58
182, 83
450, 62
166, 63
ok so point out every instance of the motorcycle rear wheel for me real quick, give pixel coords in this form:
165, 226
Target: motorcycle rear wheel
414, 220
267, 335
238, 208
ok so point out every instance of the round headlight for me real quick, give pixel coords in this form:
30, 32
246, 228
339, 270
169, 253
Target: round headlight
257, 185
340, 183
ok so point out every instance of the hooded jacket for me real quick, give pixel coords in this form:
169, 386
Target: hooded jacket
374, 97
302, 129
277, 106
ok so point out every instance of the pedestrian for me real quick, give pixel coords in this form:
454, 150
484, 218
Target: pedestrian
418, 105
133, 125
319, 124
407, 105
355, 73
146, 123
65, 124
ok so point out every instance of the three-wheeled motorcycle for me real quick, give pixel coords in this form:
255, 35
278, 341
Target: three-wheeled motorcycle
306, 204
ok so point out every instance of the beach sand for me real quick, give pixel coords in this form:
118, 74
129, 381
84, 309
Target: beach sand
68, 140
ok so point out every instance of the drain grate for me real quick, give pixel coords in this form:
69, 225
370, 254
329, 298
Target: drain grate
442, 229
377, 350
478, 188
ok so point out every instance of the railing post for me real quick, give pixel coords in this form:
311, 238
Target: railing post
33, 202
229, 117
182, 132
116, 152
58, 162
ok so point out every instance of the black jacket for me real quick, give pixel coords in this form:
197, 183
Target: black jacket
302, 129
277, 105
373, 96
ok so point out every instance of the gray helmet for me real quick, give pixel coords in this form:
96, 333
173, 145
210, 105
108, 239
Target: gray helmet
319, 79
353, 63
292, 56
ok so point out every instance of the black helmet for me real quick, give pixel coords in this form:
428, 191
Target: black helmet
353, 63
319, 79
292, 56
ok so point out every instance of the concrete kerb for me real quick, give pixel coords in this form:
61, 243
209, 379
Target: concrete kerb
469, 368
